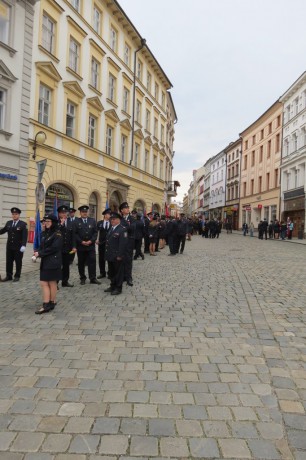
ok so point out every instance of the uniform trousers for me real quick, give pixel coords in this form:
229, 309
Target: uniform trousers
146, 243
181, 243
172, 241
138, 252
66, 261
89, 258
128, 259
102, 260
116, 273
13, 255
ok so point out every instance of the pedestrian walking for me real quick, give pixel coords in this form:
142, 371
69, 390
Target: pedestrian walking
245, 228
50, 253
17, 233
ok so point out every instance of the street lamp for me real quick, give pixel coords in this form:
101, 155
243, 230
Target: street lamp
142, 44
39, 139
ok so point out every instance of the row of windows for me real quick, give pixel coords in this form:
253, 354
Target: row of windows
291, 110
268, 149
294, 142
44, 113
233, 156
293, 178
261, 134
232, 193
49, 36
233, 171
258, 186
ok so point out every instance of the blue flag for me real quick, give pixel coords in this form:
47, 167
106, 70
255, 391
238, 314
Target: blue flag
37, 232
106, 204
55, 206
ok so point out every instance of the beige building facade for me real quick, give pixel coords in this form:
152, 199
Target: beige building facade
102, 100
232, 198
260, 166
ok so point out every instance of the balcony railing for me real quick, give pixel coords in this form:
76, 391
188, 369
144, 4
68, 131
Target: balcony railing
171, 187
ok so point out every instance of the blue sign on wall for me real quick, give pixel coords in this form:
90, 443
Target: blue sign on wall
8, 176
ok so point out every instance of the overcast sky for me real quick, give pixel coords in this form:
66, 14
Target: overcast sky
228, 61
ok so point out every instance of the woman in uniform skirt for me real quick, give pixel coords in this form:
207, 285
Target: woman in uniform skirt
50, 252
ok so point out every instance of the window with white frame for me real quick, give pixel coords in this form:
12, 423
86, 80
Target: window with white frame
92, 127
155, 127
76, 4
154, 165
139, 69
286, 146
163, 99
74, 55
162, 133
123, 147
95, 70
109, 140
294, 142
149, 81
126, 97
296, 178
113, 39
304, 135
5, 22
146, 165
161, 169
111, 87
48, 34
138, 111
127, 54
156, 91
70, 119
137, 149
44, 105
148, 119
288, 181
288, 112
96, 20
3, 97
296, 105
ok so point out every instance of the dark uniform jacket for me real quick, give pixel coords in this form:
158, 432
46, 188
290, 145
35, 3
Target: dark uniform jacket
102, 231
86, 232
68, 234
50, 250
139, 230
116, 243
182, 227
130, 224
17, 236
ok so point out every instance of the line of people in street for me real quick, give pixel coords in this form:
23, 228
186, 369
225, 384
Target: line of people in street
274, 230
118, 236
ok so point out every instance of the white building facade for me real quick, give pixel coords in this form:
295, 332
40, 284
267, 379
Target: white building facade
16, 28
217, 186
293, 163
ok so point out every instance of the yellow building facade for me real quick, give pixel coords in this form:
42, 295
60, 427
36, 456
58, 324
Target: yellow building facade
102, 100
260, 165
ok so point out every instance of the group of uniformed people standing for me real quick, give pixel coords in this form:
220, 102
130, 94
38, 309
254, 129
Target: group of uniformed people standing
117, 236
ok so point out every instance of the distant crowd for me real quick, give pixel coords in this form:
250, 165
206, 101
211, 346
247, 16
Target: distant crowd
274, 230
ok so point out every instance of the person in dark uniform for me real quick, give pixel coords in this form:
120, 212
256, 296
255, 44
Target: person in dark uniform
146, 221
16, 243
139, 234
86, 234
128, 222
171, 232
50, 252
182, 230
115, 252
265, 228
103, 227
67, 229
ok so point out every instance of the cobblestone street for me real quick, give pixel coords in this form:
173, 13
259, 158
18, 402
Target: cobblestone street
204, 357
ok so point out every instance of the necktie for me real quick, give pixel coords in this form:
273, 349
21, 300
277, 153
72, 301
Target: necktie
85, 221
106, 225
14, 224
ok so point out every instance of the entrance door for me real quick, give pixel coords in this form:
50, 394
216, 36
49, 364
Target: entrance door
58, 195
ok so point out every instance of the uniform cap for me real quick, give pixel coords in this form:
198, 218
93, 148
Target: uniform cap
17, 210
72, 210
63, 209
123, 205
106, 211
115, 215
50, 217
83, 208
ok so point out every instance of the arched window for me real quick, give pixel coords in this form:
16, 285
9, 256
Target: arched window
115, 201
139, 206
93, 205
58, 195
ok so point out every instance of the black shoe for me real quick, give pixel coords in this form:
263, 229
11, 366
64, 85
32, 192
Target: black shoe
67, 284
51, 305
130, 282
135, 258
110, 289
44, 309
115, 292
171, 254
7, 278
83, 281
94, 281
101, 276
181, 252
142, 256
16, 279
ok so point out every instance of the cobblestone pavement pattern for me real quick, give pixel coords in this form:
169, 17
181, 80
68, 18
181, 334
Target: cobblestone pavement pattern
203, 358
